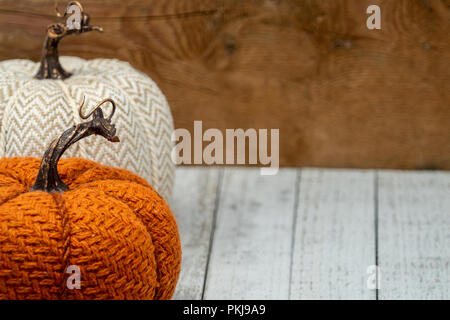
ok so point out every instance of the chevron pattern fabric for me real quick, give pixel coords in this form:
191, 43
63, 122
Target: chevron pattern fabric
34, 112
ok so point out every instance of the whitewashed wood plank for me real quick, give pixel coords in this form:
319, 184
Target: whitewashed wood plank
250, 256
414, 235
334, 241
193, 203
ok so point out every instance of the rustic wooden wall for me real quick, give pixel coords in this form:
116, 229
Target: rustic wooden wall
342, 95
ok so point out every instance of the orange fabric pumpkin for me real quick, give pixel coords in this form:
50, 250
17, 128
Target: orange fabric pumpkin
111, 224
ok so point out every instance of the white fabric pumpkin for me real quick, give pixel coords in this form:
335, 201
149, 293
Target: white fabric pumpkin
34, 112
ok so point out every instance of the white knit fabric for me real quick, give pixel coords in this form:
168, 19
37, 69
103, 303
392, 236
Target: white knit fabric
33, 112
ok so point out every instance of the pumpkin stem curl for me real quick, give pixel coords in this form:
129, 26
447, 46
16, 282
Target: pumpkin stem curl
77, 22
48, 179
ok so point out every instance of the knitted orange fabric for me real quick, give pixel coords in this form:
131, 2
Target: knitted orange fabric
111, 224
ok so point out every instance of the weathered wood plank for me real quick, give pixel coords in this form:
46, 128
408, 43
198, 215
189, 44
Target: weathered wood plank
193, 203
334, 241
414, 235
250, 256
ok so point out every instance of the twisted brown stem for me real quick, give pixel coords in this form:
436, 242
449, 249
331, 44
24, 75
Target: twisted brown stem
48, 179
50, 67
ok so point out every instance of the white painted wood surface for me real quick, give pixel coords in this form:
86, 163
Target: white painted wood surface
335, 235
311, 233
251, 251
414, 235
196, 192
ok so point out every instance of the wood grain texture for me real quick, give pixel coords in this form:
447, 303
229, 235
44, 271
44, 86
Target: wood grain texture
193, 204
251, 250
342, 95
414, 235
334, 241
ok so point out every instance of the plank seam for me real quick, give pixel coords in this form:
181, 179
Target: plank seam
376, 206
294, 226
213, 228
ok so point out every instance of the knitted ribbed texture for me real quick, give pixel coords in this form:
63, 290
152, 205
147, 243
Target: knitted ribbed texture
111, 224
34, 112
